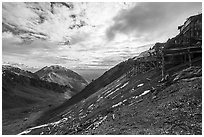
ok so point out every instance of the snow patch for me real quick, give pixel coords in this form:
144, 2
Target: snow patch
145, 92
96, 124
80, 110
116, 89
99, 99
67, 95
44, 125
132, 90
118, 104
124, 84
140, 85
83, 116
91, 106
108, 91
25, 132
112, 92
135, 97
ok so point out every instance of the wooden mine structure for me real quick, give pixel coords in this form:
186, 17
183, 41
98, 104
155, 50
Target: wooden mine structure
183, 48
186, 46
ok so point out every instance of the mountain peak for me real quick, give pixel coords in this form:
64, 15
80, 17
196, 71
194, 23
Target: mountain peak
56, 68
63, 76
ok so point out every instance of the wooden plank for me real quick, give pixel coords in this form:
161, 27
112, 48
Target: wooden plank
182, 53
181, 49
186, 50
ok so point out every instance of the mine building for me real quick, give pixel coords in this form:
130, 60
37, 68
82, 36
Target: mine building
190, 31
185, 48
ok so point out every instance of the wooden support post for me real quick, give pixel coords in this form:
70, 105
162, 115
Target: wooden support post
189, 57
184, 58
137, 68
162, 65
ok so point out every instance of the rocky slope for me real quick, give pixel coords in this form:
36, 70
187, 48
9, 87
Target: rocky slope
122, 102
62, 76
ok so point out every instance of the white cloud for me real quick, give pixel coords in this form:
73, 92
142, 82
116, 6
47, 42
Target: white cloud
48, 31
7, 35
38, 18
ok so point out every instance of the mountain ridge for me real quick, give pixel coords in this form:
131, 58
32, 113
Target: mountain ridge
62, 76
25, 96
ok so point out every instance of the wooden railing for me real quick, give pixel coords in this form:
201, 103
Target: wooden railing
186, 51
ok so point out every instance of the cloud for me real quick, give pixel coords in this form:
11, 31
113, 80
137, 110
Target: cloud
149, 19
38, 33
13, 39
40, 21
55, 60
13, 45
55, 21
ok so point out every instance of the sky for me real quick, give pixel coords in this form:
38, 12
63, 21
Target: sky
87, 35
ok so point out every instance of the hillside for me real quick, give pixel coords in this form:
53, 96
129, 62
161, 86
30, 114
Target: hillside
157, 92
25, 94
62, 76
135, 104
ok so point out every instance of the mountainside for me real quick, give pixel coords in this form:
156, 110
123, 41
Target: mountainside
20, 66
131, 103
18, 86
62, 76
24, 94
108, 77
18, 71
157, 92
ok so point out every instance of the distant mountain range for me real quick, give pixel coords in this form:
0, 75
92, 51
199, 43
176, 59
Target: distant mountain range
21, 66
20, 87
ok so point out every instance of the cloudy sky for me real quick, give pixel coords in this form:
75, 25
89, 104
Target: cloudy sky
87, 35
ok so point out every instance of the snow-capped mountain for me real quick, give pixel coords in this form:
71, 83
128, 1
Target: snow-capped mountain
22, 88
18, 71
62, 76
21, 66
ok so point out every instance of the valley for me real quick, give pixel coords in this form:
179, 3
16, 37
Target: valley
136, 105
25, 97
97, 68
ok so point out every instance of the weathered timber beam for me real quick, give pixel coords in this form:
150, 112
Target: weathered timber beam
180, 49
185, 48
182, 53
